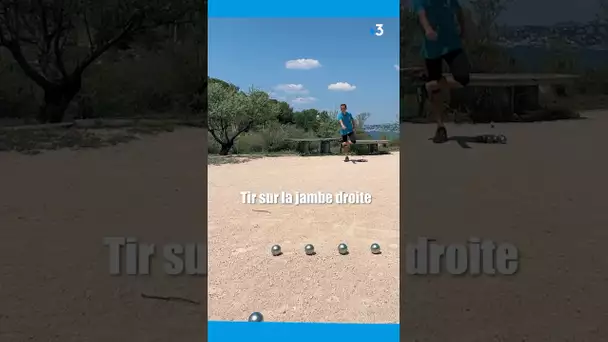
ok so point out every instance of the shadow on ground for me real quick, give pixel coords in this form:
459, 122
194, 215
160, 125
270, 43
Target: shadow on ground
356, 161
338, 154
35, 141
220, 160
464, 141
533, 116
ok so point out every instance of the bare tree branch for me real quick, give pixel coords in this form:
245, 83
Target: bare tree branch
38, 34
2, 39
43, 19
131, 25
15, 49
88, 29
212, 131
56, 42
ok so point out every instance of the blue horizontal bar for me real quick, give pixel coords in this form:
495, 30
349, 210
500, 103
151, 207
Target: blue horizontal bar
303, 9
224, 331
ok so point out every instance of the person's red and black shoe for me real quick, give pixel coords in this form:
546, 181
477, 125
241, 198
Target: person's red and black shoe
441, 135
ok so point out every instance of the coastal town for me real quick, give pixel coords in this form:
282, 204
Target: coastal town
591, 35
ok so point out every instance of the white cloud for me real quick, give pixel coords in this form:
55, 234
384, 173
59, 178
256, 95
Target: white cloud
303, 64
291, 88
397, 67
303, 100
341, 86
276, 96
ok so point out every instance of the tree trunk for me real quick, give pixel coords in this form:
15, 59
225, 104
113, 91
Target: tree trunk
226, 147
57, 99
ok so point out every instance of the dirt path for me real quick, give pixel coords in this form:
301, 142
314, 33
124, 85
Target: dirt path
55, 209
244, 277
545, 192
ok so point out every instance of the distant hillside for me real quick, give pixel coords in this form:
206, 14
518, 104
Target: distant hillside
388, 127
593, 35
377, 135
390, 131
533, 58
533, 46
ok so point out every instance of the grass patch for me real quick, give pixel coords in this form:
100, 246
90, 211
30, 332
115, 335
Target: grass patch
221, 160
213, 159
35, 140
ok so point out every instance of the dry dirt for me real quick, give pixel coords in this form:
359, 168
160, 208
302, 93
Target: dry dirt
55, 209
328, 287
544, 192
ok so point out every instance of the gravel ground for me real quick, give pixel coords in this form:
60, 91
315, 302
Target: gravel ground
244, 277
55, 210
544, 192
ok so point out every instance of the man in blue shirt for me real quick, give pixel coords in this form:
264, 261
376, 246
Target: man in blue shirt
347, 130
443, 25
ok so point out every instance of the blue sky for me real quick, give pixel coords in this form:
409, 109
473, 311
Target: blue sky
312, 63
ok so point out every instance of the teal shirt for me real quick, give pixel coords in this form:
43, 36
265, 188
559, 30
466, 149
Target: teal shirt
442, 17
347, 120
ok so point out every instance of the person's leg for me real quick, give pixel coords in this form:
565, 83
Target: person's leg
434, 91
345, 147
352, 139
459, 67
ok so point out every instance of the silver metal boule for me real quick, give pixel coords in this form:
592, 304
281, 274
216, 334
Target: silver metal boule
375, 248
276, 250
256, 317
343, 249
309, 249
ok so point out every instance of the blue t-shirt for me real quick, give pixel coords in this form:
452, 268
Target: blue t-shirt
347, 120
442, 17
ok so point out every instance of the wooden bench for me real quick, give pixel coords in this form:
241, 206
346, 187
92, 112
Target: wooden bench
375, 146
523, 90
324, 144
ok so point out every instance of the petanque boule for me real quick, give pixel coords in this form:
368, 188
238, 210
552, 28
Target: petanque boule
309, 249
276, 250
256, 317
343, 249
375, 248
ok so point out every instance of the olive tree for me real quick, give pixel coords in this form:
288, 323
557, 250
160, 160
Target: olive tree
328, 125
361, 119
233, 112
55, 41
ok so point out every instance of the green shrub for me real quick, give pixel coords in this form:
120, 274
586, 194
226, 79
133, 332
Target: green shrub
361, 149
19, 96
137, 82
275, 137
213, 147
141, 82
269, 139
252, 142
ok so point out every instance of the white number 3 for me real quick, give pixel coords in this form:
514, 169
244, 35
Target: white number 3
379, 29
